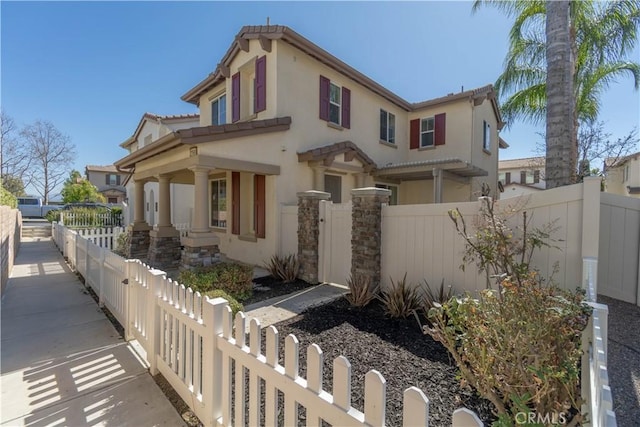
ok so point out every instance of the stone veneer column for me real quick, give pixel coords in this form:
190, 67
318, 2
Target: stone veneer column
201, 246
164, 244
366, 232
138, 246
309, 232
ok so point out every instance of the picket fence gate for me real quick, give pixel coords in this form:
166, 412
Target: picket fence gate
202, 351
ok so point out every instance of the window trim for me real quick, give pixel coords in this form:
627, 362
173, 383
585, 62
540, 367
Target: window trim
486, 137
211, 210
432, 131
217, 99
388, 138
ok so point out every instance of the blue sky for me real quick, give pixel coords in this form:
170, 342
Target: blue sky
93, 68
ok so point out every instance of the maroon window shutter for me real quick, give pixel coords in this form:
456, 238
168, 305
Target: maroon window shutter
324, 98
259, 205
235, 97
106, 179
261, 84
235, 202
440, 127
414, 131
117, 179
346, 108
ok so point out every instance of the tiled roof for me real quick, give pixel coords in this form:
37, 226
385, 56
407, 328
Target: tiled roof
527, 162
617, 161
107, 168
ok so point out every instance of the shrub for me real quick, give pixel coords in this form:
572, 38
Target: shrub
122, 243
53, 216
284, 268
8, 199
518, 347
235, 279
360, 292
233, 303
401, 299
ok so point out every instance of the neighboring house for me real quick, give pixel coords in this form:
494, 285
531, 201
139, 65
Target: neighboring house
150, 128
521, 176
622, 176
109, 181
279, 115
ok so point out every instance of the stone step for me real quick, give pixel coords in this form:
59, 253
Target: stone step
43, 231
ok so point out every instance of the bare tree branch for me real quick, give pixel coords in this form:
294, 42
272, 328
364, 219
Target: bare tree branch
14, 157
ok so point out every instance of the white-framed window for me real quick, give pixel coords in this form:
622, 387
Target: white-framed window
486, 140
219, 110
427, 132
219, 203
335, 102
393, 200
112, 179
387, 127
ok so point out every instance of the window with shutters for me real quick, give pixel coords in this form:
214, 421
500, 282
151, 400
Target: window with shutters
387, 127
219, 203
219, 110
427, 132
248, 214
249, 90
112, 179
335, 103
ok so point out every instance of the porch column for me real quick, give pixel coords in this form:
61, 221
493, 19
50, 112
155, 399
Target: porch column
138, 242
309, 233
164, 245
201, 245
318, 177
437, 185
201, 198
364, 179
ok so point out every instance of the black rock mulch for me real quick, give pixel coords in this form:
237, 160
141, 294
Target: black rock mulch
270, 287
394, 347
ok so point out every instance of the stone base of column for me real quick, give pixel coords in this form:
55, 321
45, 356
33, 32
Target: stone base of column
164, 251
138, 246
200, 250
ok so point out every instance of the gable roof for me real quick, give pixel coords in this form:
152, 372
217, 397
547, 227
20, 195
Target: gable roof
158, 118
613, 162
329, 152
266, 33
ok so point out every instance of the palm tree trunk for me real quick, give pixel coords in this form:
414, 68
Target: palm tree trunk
560, 133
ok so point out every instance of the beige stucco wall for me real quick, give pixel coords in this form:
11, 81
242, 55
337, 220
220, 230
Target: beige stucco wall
615, 182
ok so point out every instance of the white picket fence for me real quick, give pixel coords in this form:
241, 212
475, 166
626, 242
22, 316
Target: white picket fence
203, 352
90, 219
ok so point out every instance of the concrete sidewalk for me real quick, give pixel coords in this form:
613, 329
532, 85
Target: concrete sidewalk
62, 362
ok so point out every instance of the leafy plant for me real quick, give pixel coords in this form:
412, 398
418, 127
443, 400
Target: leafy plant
284, 268
233, 303
360, 292
439, 296
235, 279
401, 299
498, 249
8, 199
53, 215
518, 347
122, 243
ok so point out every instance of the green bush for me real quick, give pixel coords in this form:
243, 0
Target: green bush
235, 279
8, 199
233, 303
519, 347
401, 299
122, 243
53, 216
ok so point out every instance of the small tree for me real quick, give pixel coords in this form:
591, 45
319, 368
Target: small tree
51, 153
77, 189
13, 185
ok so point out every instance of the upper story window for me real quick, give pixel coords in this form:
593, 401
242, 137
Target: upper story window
427, 132
219, 110
530, 177
486, 140
387, 127
335, 103
249, 89
112, 179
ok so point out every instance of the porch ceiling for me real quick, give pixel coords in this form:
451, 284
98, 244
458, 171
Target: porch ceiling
181, 173
412, 171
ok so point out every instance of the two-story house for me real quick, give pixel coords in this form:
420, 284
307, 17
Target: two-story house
521, 176
623, 175
280, 115
152, 127
109, 181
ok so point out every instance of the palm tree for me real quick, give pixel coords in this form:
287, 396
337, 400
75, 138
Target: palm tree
602, 35
561, 142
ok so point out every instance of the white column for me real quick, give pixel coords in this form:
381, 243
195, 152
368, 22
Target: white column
200, 222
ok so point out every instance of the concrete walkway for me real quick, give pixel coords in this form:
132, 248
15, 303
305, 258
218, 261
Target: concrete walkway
62, 362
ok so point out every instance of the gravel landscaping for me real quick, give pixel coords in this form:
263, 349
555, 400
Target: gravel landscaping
269, 287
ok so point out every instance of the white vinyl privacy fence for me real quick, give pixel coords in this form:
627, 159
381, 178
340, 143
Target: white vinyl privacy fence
203, 352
